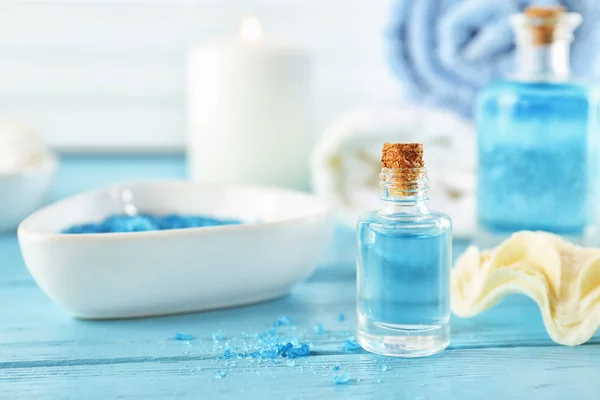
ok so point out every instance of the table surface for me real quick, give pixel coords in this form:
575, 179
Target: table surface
46, 354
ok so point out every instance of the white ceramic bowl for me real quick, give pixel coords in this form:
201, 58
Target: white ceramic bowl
134, 274
23, 191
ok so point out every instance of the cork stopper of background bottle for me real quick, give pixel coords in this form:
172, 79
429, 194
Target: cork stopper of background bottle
407, 167
543, 23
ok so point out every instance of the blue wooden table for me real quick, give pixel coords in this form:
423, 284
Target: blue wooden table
46, 354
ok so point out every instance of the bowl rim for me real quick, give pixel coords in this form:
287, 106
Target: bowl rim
25, 230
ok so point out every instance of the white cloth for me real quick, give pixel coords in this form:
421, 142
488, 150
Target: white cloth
20, 147
345, 164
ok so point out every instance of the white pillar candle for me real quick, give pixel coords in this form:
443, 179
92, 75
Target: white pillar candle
249, 111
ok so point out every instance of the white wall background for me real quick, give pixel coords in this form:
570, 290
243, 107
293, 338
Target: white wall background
109, 75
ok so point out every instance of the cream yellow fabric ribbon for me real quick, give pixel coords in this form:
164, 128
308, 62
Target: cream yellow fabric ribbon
562, 278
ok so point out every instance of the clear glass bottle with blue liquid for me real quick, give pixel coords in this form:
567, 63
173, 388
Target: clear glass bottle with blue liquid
537, 138
404, 263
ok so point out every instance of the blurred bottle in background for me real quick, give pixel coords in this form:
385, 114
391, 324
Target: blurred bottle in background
537, 138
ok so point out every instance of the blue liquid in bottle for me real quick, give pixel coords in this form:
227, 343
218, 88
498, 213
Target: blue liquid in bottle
537, 137
403, 275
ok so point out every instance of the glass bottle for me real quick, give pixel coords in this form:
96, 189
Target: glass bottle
404, 263
537, 138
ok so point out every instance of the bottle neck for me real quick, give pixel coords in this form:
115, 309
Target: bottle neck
544, 62
543, 47
404, 191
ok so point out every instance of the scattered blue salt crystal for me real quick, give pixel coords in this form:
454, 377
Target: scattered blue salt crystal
217, 337
255, 354
283, 321
272, 353
267, 336
220, 374
228, 354
282, 348
319, 329
291, 363
383, 367
148, 222
341, 317
183, 336
336, 367
350, 344
341, 379
298, 351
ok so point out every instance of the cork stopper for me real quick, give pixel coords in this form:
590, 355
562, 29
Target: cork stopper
544, 23
405, 168
544, 12
402, 155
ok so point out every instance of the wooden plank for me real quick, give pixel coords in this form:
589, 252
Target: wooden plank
34, 329
44, 353
521, 373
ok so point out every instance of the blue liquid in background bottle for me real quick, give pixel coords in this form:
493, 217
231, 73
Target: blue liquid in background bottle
537, 139
534, 164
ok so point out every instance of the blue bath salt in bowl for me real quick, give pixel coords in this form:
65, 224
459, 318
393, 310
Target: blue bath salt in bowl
148, 222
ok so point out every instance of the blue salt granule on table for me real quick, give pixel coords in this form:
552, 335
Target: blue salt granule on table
183, 336
351, 344
229, 353
273, 350
336, 367
319, 329
217, 336
341, 317
297, 351
269, 353
283, 321
267, 336
220, 374
148, 222
341, 379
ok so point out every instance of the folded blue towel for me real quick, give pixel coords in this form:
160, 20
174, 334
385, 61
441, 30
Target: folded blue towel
443, 51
